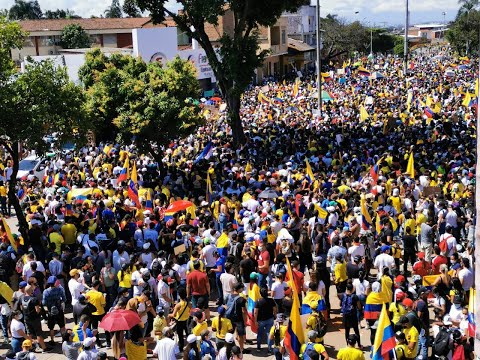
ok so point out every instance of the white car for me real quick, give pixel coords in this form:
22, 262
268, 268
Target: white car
32, 162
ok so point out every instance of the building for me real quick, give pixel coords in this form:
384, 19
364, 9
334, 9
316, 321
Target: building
302, 24
118, 35
430, 32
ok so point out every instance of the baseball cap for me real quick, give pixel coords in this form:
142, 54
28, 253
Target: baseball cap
407, 302
191, 338
357, 258
89, 341
221, 310
27, 343
312, 334
51, 280
22, 284
400, 295
421, 255
400, 278
253, 276
73, 272
229, 338
423, 290
384, 248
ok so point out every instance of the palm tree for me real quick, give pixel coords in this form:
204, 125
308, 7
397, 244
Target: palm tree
467, 6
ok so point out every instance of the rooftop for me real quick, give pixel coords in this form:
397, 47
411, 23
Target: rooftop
429, 26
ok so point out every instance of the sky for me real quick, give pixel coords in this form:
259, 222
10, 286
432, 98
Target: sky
379, 12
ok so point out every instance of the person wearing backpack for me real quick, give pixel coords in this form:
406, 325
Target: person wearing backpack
442, 344
349, 306
237, 314
54, 299
312, 345
317, 322
31, 309
447, 242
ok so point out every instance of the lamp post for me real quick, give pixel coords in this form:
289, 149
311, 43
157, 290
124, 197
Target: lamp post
405, 44
319, 61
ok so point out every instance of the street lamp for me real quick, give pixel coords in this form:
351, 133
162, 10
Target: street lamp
405, 43
319, 62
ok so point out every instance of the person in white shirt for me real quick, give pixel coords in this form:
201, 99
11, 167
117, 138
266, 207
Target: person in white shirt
278, 291
207, 254
27, 271
450, 239
228, 280
357, 249
75, 285
166, 348
120, 256
466, 275
384, 260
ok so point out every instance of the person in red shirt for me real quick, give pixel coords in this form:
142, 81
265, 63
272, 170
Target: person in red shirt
198, 288
438, 260
263, 261
421, 267
298, 278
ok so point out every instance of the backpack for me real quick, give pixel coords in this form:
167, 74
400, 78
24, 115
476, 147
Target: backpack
441, 344
443, 245
310, 346
276, 335
27, 306
347, 305
458, 352
231, 312
321, 325
156, 268
305, 243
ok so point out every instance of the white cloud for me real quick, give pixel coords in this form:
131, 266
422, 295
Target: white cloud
390, 11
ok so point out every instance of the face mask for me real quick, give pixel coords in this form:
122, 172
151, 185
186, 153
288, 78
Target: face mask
260, 248
20, 317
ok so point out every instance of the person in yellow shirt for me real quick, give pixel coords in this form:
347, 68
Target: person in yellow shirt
56, 238
221, 325
159, 323
311, 345
411, 336
401, 347
125, 277
3, 199
351, 352
201, 323
340, 275
277, 334
97, 299
69, 232
396, 309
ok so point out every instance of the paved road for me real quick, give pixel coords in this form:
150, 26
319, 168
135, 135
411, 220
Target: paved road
334, 340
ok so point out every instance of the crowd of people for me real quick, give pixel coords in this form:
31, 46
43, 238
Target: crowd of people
331, 197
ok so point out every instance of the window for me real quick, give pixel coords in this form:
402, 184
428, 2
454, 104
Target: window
49, 40
96, 40
275, 35
29, 42
284, 37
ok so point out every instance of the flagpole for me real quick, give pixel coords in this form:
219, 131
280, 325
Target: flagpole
319, 62
405, 43
477, 230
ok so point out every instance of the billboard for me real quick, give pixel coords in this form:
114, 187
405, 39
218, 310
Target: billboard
155, 44
199, 59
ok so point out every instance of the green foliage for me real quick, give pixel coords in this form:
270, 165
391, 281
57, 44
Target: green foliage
399, 46
75, 37
11, 37
131, 9
240, 55
114, 10
147, 101
25, 10
463, 32
60, 14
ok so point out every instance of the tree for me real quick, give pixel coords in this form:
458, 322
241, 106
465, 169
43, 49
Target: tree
239, 55
114, 10
25, 10
131, 9
467, 6
145, 101
75, 37
463, 32
33, 104
60, 14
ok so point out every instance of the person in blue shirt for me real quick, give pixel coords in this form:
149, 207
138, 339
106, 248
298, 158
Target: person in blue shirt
82, 329
219, 269
206, 345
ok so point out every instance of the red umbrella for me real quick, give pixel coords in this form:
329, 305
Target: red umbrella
119, 320
178, 205
216, 99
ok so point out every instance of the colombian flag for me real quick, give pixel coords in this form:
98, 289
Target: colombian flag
148, 200
222, 244
471, 313
124, 173
373, 306
294, 337
9, 235
384, 345
374, 173
311, 297
49, 180
428, 112
363, 72
310, 176
252, 297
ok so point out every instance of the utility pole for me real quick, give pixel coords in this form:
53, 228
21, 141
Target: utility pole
477, 236
319, 62
405, 44
371, 41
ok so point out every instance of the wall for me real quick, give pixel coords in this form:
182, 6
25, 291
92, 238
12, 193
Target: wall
155, 44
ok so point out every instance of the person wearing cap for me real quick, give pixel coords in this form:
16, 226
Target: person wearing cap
411, 336
421, 266
277, 335
160, 322
89, 351
396, 309
75, 285
311, 344
192, 350
226, 352
26, 352
351, 352
384, 260
54, 299
222, 326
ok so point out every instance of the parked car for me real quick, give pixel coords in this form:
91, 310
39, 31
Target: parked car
32, 162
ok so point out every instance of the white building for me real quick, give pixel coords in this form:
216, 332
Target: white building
302, 24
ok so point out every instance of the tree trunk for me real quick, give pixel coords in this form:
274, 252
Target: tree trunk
12, 194
233, 102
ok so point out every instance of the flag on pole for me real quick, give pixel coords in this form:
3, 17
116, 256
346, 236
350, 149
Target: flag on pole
295, 90
133, 175
253, 295
374, 171
133, 194
363, 114
428, 112
366, 219
471, 313
466, 101
208, 197
148, 199
310, 176
294, 337
124, 173
384, 345
206, 153
222, 244
410, 166
9, 234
